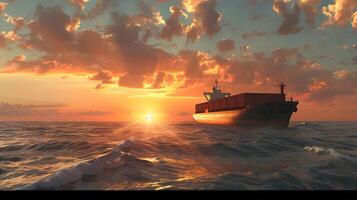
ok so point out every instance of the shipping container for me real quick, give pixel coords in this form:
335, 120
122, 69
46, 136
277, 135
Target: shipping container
256, 99
239, 101
223, 104
210, 107
204, 107
231, 102
215, 105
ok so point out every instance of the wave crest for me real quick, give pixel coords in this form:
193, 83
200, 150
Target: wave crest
112, 160
330, 151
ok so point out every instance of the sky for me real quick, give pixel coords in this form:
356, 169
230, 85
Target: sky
125, 60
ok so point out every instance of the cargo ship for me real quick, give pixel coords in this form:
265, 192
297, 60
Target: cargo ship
246, 109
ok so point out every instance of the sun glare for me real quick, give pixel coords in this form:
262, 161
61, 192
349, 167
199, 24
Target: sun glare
149, 117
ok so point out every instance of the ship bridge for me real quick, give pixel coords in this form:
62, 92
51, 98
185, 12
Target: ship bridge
216, 93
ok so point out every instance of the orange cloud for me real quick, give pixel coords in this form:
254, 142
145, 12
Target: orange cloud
340, 13
6, 37
310, 9
2, 7
79, 3
18, 22
206, 20
120, 55
354, 22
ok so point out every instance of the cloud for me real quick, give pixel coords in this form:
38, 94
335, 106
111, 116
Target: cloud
226, 45
18, 22
354, 60
96, 113
354, 46
354, 21
254, 34
173, 25
206, 20
120, 54
2, 7
309, 7
340, 13
138, 58
57, 110
244, 47
3, 41
105, 77
55, 36
99, 8
290, 24
79, 3
7, 109
148, 12
7, 37
305, 78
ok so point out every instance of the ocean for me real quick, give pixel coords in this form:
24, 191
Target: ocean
185, 156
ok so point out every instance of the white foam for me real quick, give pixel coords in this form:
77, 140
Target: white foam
74, 174
330, 151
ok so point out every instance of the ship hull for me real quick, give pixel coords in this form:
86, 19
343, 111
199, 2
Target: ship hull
271, 114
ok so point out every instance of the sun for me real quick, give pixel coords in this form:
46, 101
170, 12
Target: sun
149, 117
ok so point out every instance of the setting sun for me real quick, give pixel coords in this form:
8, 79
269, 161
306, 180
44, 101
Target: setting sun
149, 117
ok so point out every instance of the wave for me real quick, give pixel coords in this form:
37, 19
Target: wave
112, 160
320, 151
59, 145
3, 171
12, 148
10, 159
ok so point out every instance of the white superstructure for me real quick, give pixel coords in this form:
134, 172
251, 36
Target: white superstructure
216, 93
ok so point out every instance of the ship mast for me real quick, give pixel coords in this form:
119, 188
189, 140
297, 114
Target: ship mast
282, 87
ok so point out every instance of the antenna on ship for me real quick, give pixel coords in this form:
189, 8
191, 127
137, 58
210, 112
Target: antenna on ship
282, 87
215, 86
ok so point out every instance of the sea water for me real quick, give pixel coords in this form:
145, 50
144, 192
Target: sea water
184, 156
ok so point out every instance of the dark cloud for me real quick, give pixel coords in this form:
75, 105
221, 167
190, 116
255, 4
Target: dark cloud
254, 34
159, 79
47, 35
120, 54
208, 16
7, 109
96, 113
290, 24
354, 60
304, 77
173, 25
310, 8
124, 54
105, 77
206, 20
138, 58
226, 45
